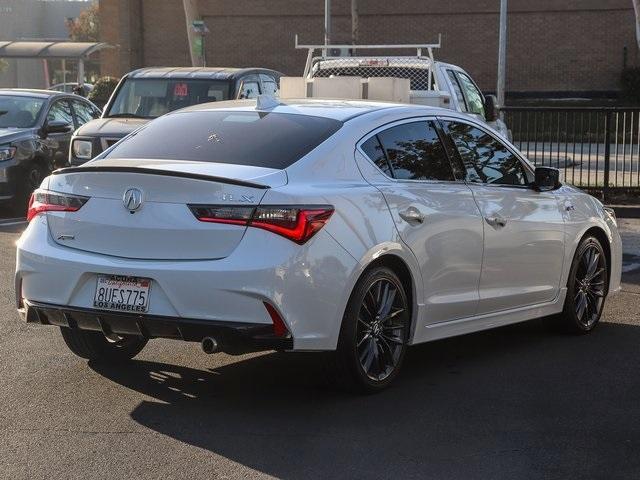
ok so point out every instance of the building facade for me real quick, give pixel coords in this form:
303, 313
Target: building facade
555, 47
33, 20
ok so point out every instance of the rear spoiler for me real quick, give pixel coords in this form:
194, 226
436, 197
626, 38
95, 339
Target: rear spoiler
154, 171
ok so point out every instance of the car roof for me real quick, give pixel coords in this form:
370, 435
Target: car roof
216, 73
341, 110
30, 92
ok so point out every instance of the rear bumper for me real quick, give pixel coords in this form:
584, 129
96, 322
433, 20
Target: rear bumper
307, 285
234, 338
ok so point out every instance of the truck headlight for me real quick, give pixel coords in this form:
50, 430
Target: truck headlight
7, 153
82, 149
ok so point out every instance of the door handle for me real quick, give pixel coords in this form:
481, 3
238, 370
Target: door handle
412, 216
497, 222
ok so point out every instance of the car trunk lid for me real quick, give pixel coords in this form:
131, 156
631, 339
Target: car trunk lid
162, 227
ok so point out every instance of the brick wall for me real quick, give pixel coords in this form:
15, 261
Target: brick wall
554, 45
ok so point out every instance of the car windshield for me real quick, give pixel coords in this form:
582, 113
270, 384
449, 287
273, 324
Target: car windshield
151, 98
271, 140
19, 111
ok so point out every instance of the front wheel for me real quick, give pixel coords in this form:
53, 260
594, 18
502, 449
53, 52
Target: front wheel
96, 346
374, 333
586, 288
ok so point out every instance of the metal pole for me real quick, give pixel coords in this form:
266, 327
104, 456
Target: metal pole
204, 52
607, 155
80, 72
327, 24
502, 53
354, 22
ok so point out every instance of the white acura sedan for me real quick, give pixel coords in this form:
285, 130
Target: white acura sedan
353, 227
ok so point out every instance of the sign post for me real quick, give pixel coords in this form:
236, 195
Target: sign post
200, 29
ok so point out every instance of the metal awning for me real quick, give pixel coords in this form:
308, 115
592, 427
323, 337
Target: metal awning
78, 50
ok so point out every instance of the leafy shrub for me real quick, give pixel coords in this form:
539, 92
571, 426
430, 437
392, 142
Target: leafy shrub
102, 90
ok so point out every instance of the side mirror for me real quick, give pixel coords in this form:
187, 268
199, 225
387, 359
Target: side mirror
57, 126
547, 178
491, 109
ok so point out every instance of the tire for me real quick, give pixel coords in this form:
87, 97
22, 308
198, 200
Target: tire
586, 288
95, 346
374, 333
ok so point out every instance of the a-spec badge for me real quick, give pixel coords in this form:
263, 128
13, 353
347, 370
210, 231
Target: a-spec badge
132, 199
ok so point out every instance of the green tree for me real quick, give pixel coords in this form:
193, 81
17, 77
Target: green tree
3, 65
86, 27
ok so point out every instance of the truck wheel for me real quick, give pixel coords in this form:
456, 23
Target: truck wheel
95, 346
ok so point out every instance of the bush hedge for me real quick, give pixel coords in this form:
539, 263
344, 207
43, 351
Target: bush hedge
102, 90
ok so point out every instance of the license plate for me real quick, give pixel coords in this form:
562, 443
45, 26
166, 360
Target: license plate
123, 293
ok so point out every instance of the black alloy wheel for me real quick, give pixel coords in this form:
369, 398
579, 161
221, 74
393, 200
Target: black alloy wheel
374, 333
587, 287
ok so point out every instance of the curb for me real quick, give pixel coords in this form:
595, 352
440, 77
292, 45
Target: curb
626, 211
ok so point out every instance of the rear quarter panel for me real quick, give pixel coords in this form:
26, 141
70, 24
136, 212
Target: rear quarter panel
362, 224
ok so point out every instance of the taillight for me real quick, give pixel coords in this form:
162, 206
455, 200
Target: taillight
298, 224
44, 201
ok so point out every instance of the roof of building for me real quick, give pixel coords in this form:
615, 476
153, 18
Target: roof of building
217, 73
10, 49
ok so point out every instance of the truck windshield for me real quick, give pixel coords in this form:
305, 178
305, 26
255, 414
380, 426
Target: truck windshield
19, 111
151, 98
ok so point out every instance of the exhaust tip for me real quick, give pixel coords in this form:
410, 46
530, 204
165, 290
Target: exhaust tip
209, 345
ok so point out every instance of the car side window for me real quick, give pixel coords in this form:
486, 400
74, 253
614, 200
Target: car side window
84, 112
457, 89
486, 159
269, 84
250, 87
413, 152
60, 111
475, 102
375, 152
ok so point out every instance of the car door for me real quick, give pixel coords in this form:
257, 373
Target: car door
523, 228
434, 213
57, 144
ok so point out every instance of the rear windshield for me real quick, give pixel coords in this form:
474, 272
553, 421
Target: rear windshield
271, 140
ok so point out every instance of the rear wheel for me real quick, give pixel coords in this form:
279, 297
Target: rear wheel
586, 288
96, 346
374, 333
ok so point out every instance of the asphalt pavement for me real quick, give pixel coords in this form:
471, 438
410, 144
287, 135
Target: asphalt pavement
517, 402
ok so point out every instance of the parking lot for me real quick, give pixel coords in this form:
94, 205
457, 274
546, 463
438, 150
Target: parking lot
518, 402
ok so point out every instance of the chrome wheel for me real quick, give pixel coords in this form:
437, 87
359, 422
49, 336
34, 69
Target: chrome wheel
381, 329
589, 286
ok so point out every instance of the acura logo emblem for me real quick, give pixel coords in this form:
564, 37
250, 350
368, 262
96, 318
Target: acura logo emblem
132, 199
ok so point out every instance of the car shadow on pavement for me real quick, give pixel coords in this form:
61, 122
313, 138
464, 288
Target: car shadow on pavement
510, 403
